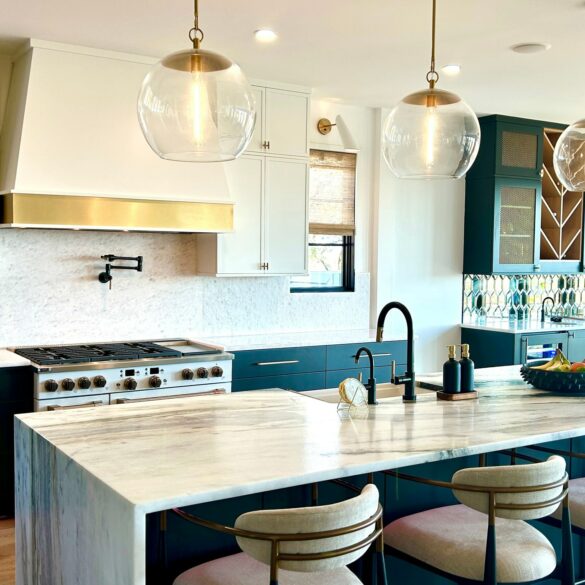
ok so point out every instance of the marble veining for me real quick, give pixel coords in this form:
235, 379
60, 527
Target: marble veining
526, 326
199, 449
294, 339
86, 479
10, 360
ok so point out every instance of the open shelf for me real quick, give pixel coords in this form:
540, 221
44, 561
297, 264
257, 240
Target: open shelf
561, 230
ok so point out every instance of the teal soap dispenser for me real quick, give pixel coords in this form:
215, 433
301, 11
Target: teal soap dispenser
467, 370
452, 373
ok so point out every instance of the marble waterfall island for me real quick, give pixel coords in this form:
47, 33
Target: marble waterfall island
86, 479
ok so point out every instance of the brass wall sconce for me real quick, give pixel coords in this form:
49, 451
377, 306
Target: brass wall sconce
324, 127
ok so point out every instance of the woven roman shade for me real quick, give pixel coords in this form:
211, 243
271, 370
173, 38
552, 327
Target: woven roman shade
332, 193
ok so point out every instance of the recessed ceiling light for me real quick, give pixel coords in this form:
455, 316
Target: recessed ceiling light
452, 69
527, 48
265, 35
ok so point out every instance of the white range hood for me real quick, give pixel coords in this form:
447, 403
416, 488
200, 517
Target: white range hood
71, 129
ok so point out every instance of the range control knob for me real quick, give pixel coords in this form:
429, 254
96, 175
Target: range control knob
217, 372
187, 374
99, 381
84, 383
51, 386
68, 384
155, 382
202, 373
130, 384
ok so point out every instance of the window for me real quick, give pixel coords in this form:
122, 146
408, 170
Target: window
331, 223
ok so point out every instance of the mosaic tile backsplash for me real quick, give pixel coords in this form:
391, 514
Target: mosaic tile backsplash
520, 296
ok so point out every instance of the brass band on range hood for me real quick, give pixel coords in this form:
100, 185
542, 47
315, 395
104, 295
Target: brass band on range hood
108, 213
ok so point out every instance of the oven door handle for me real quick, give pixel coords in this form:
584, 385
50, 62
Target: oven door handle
166, 397
74, 406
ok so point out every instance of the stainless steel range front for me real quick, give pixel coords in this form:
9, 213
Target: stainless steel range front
77, 376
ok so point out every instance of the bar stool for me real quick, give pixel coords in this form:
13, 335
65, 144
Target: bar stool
318, 542
460, 543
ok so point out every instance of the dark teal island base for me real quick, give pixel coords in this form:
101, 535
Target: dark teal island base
183, 545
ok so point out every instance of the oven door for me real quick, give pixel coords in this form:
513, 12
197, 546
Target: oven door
152, 395
73, 402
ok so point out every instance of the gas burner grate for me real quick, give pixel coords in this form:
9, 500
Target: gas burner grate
98, 352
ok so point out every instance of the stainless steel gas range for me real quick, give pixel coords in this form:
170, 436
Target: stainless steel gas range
77, 376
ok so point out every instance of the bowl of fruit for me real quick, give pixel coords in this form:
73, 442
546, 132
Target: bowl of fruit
556, 375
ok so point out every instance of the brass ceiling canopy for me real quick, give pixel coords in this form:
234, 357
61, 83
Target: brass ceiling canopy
196, 61
432, 98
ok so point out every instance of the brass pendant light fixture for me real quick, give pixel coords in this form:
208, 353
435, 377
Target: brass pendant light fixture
431, 133
196, 105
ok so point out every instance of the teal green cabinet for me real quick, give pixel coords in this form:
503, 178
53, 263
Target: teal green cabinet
499, 348
510, 147
313, 367
576, 347
502, 226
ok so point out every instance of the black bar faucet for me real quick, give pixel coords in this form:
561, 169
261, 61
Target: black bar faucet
408, 379
543, 307
371, 385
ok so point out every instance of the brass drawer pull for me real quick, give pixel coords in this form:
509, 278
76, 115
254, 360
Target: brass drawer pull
278, 363
154, 398
74, 406
373, 355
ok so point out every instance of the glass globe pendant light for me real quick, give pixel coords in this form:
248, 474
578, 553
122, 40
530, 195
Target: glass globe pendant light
196, 105
569, 157
432, 133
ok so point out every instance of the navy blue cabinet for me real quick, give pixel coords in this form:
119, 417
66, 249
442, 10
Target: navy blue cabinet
16, 396
313, 368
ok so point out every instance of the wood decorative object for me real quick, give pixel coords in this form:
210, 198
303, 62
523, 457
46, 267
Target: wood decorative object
457, 396
561, 230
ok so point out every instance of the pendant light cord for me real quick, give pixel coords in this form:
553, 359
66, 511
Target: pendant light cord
432, 75
196, 34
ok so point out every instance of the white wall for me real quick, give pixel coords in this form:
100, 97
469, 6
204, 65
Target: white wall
418, 260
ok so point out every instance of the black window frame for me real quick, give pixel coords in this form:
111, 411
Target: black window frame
347, 270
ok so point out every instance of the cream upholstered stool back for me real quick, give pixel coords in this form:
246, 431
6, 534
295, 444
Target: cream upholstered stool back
299, 521
514, 495
486, 538
319, 542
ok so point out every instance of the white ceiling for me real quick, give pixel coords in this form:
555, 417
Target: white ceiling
370, 52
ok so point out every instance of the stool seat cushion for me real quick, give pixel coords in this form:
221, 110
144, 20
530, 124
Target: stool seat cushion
241, 569
453, 539
576, 503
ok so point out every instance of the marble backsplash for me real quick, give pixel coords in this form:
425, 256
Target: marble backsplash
50, 293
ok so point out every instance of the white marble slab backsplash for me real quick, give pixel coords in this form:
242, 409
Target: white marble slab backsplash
50, 293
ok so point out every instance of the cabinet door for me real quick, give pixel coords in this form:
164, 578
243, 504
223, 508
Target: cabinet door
516, 246
285, 215
519, 150
258, 136
542, 346
286, 118
240, 251
576, 348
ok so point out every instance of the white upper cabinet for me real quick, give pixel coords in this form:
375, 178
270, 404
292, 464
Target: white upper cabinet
285, 216
281, 122
269, 187
256, 144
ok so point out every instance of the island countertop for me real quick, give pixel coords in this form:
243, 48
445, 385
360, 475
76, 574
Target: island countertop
99, 472
192, 450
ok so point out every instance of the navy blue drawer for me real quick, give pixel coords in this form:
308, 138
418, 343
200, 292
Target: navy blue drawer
382, 374
342, 357
299, 382
272, 362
